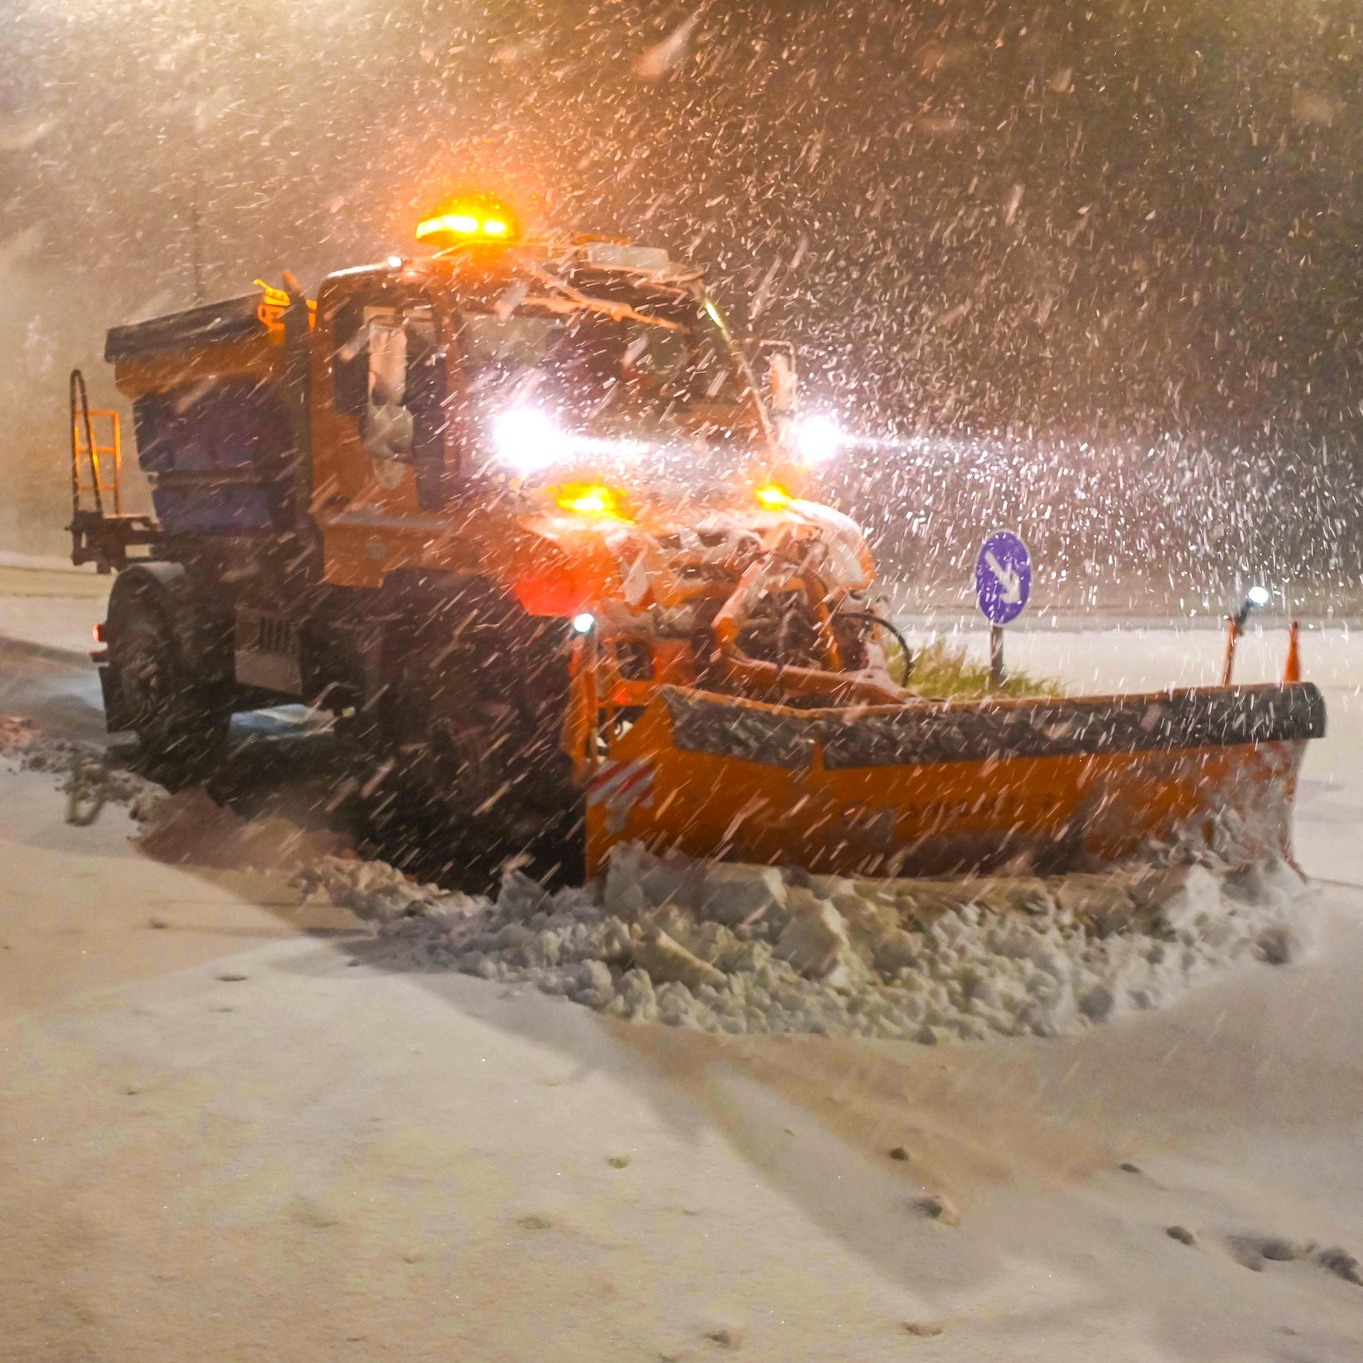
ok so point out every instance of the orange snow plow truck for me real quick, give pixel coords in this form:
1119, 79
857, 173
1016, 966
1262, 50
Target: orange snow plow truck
518, 513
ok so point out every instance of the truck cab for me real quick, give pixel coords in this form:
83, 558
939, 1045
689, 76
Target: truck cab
461, 404
407, 500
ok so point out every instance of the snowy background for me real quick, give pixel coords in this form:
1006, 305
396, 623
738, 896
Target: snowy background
1090, 270
1092, 258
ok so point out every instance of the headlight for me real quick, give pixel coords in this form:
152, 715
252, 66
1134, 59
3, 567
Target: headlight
527, 440
817, 439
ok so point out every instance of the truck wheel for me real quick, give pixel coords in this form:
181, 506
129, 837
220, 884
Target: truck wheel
487, 789
478, 769
176, 723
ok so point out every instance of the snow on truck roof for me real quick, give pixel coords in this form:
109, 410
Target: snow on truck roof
239, 318
232, 319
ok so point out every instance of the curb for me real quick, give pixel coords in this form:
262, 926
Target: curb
50, 652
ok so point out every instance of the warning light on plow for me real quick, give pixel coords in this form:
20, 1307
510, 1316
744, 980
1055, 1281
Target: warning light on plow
590, 499
773, 497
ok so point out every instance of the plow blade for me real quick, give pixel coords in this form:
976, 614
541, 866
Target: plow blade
935, 788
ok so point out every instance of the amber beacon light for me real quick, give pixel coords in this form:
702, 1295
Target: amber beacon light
468, 222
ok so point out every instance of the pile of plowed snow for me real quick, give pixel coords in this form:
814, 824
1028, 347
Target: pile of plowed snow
84, 770
736, 948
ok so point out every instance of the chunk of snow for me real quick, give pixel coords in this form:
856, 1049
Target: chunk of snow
668, 962
815, 940
931, 961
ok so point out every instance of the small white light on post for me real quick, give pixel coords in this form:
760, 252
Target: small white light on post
1235, 626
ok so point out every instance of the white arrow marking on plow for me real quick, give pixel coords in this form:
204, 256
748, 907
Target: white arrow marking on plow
620, 786
624, 783
1008, 579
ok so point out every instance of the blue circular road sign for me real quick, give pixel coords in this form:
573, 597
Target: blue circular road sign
1003, 577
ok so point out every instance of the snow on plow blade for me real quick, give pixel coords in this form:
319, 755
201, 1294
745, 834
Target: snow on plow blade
935, 788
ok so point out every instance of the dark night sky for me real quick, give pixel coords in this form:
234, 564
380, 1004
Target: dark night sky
1128, 224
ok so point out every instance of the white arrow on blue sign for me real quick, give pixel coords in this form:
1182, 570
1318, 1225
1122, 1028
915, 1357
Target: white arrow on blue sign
1003, 577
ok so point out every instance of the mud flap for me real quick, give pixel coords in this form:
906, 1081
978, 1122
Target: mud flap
116, 720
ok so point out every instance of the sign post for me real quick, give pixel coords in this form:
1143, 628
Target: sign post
1003, 582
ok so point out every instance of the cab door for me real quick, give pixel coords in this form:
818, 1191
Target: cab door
386, 446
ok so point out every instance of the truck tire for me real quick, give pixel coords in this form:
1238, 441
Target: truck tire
178, 722
478, 772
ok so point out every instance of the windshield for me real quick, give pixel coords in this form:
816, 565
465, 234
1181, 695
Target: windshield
656, 389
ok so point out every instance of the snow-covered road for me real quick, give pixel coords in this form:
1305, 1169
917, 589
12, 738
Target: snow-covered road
228, 1133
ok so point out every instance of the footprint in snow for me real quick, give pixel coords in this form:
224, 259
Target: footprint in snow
1342, 1264
1254, 1251
726, 1336
937, 1207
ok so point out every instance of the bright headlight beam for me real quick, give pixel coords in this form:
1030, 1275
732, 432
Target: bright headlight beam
527, 440
817, 439
1259, 596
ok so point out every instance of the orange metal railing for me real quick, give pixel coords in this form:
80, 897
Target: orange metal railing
96, 452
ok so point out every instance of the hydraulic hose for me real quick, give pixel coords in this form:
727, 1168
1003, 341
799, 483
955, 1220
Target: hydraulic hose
849, 687
880, 620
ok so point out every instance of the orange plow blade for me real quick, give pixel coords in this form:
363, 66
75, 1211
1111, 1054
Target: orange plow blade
930, 788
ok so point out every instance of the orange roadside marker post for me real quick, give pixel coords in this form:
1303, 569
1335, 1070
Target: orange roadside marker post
1292, 672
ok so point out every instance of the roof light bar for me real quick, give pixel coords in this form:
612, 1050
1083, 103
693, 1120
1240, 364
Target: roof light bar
467, 222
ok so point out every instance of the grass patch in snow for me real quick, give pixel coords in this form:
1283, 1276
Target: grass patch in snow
941, 670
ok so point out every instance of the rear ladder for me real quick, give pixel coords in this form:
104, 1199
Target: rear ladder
100, 531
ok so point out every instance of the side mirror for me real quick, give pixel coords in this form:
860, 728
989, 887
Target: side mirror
386, 424
783, 383
350, 360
